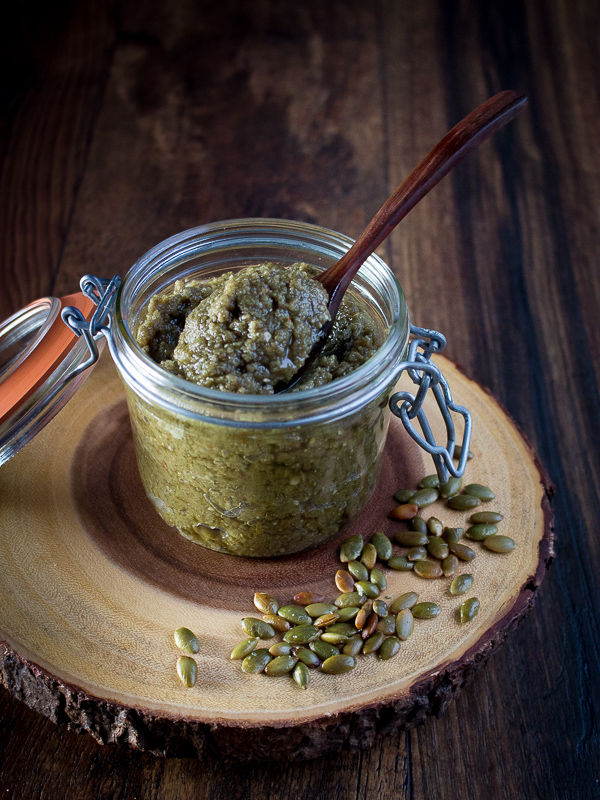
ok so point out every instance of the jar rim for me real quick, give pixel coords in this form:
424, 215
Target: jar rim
366, 379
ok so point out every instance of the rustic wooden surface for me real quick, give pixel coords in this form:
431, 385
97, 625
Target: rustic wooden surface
124, 122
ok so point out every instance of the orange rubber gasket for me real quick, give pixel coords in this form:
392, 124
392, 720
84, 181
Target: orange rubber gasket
43, 359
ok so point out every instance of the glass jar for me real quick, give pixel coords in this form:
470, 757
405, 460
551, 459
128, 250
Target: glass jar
257, 475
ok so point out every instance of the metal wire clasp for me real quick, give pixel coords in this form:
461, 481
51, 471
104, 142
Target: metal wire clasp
101, 292
407, 406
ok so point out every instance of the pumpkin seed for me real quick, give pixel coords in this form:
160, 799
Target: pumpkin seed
326, 620
426, 610
318, 609
404, 495
256, 627
281, 649
479, 490
373, 643
370, 626
400, 562
347, 613
307, 598
353, 646
452, 535
450, 565
335, 638
243, 648
278, 623
378, 578
361, 619
187, 669
469, 609
369, 556
302, 634
367, 588
265, 603
382, 545
256, 661
462, 551
427, 569
486, 517
429, 482
380, 608
410, 538
424, 497
280, 665
301, 675
406, 600
499, 544
295, 614
405, 624
437, 548
435, 526
186, 640
357, 571
418, 524
307, 656
323, 649
387, 625
462, 502
481, 531
350, 599
351, 548
461, 584
458, 452
405, 511
451, 487
344, 581
338, 664
417, 553
345, 628
389, 648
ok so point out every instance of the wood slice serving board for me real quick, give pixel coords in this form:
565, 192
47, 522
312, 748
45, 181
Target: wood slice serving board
93, 584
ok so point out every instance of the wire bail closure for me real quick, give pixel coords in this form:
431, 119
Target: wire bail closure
406, 406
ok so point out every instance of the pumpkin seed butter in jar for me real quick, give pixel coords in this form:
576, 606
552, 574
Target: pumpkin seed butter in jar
207, 323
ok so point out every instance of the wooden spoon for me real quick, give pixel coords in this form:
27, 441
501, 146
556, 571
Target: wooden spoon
470, 132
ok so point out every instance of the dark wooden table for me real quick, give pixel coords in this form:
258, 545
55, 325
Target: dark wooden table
125, 122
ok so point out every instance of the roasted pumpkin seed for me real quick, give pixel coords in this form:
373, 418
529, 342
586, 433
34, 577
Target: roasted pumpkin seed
278, 623
338, 664
427, 569
410, 538
389, 648
301, 675
479, 490
373, 643
334, 638
326, 620
323, 649
404, 495
382, 545
346, 628
370, 626
450, 565
256, 661
424, 497
499, 544
307, 656
265, 603
405, 624
280, 665
295, 614
491, 517
400, 562
378, 578
306, 598
357, 571
418, 524
187, 669
481, 531
469, 609
350, 599
369, 556
256, 627
367, 589
417, 553
380, 608
405, 511
281, 649
351, 548
437, 547
186, 640
429, 482
344, 581
302, 634
452, 535
425, 610
406, 600
243, 648
461, 584
435, 526
458, 452
318, 609
387, 625
451, 487
462, 551
353, 646
347, 613
361, 619
462, 502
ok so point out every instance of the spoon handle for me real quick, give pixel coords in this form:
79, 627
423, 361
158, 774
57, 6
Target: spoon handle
470, 132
